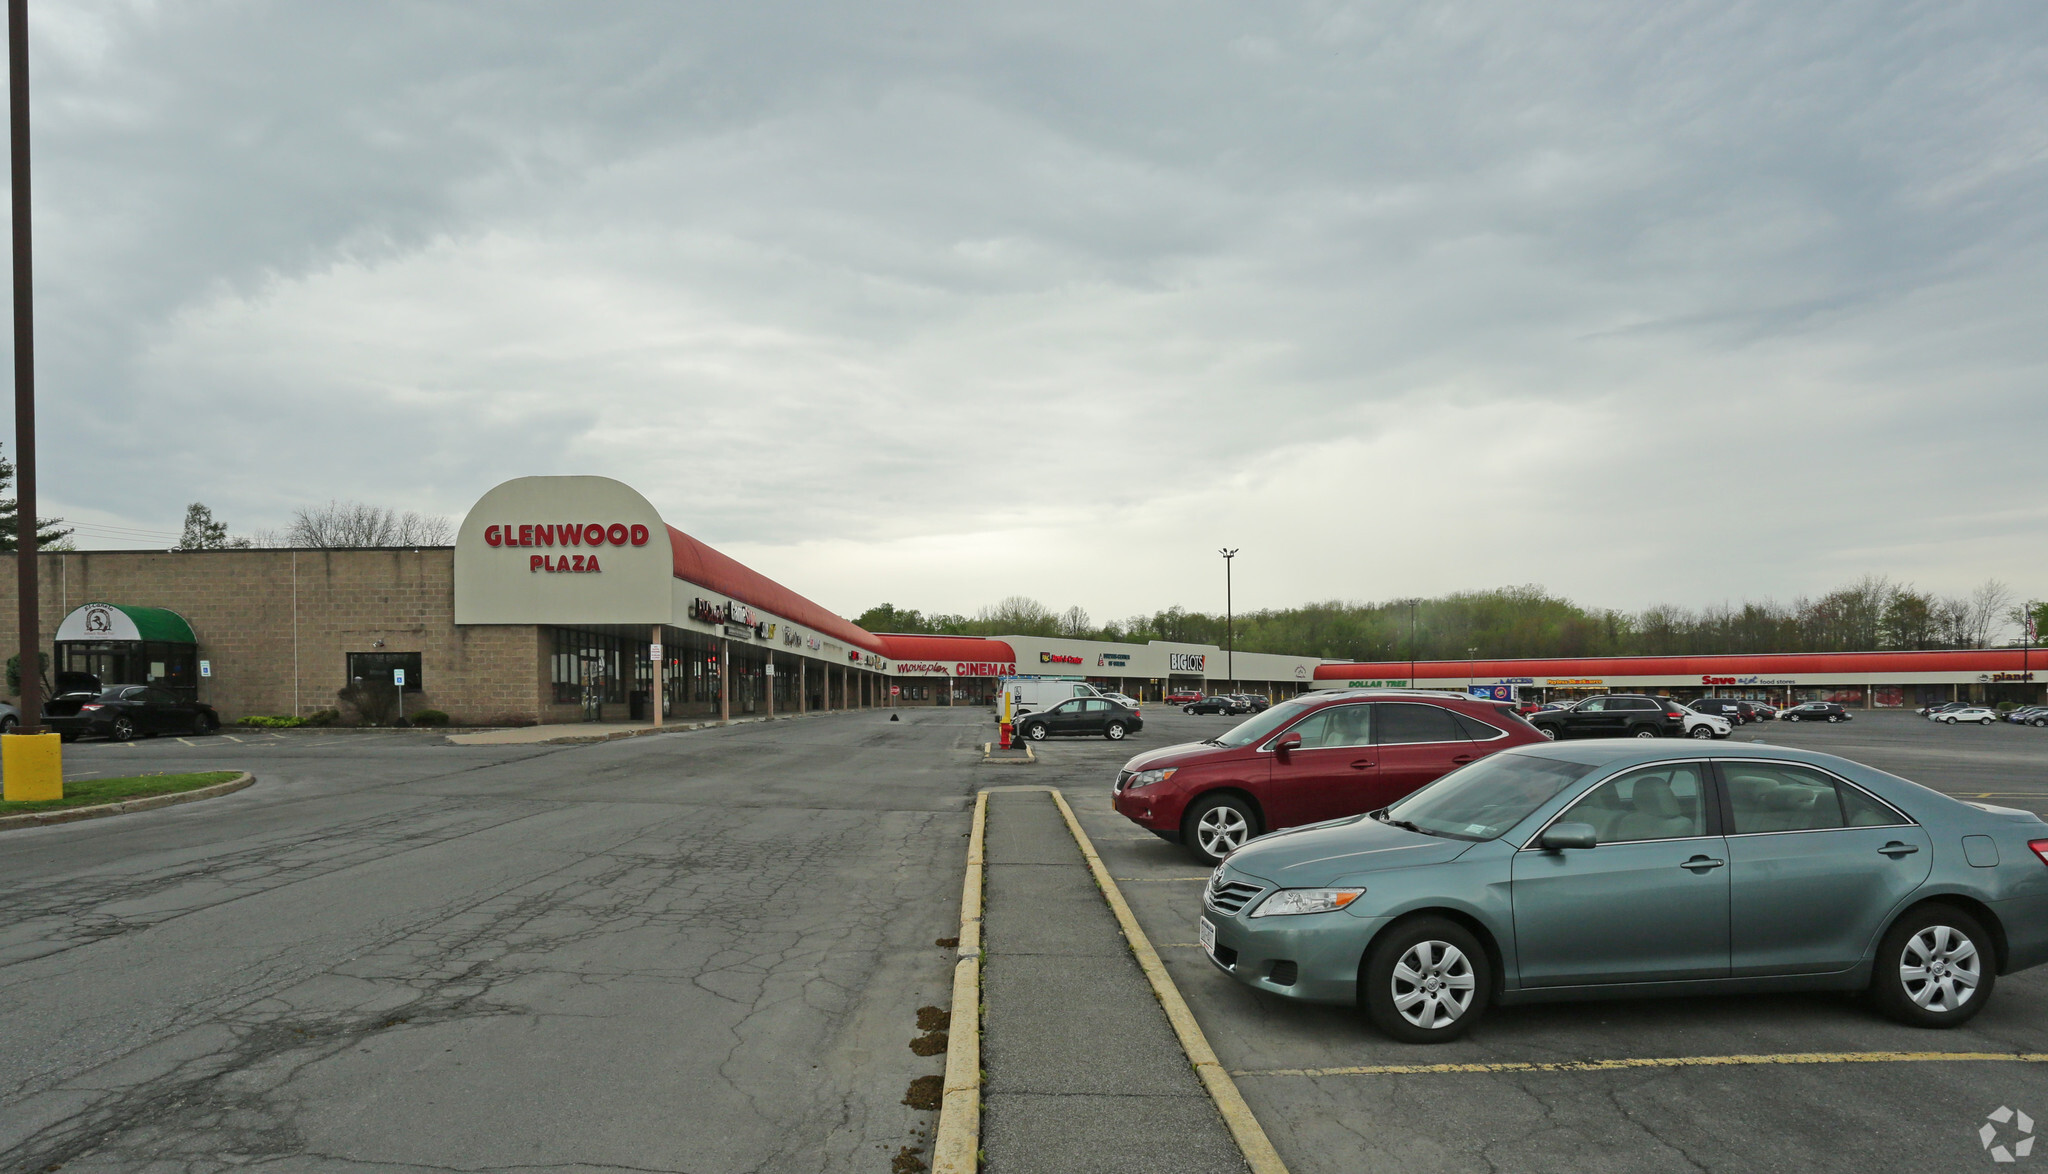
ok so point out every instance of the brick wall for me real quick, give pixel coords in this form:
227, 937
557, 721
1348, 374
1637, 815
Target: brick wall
258, 613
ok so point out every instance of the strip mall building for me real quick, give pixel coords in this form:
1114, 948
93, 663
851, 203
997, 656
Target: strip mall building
570, 598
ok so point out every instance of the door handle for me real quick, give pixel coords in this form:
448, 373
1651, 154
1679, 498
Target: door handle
1363, 764
1700, 864
1896, 849
1462, 759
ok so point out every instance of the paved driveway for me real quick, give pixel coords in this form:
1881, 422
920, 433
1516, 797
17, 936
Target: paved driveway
1825, 1113
698, 952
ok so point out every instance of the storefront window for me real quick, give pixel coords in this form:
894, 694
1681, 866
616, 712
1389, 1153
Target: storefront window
375, 668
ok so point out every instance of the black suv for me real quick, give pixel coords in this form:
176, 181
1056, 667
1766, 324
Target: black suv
1615, 715
1735, 710
1086, 717
1816, 711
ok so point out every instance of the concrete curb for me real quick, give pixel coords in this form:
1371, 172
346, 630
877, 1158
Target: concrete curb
74, 814
956, 1147
988, 756
665, 728
1251, 1137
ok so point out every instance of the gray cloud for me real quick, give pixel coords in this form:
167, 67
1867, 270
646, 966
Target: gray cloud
1391, 295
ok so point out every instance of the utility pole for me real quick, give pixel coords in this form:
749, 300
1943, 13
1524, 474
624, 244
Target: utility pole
28, 594
2027, 649
1229, 621
1471, 656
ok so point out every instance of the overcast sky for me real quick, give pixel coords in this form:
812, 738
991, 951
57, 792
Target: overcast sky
935, 303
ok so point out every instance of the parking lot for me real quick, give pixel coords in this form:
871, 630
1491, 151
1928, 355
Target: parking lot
1320, 1079
706, 952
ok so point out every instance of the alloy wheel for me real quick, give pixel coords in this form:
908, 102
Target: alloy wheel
1702, 732
1940, 968
124, 730
1221, 831
1433, 984
1646, 732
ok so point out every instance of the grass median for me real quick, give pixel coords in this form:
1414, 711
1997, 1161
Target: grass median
95, 792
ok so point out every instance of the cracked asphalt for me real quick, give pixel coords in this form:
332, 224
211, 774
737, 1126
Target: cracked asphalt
696, 952
1800, 1117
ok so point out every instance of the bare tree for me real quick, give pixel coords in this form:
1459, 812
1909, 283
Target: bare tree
1985, 611
354, 524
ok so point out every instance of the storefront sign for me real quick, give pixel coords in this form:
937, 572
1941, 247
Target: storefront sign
1186, 662
1113, 660
1514, 680
792, 637
921, 667
569, 534
1576, 682
1492, 692
739, 631
984, 668
1375, 684
1745, 680
2012, 676
1057, 658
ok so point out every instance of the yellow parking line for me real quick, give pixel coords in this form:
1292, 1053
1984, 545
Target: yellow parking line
1665, 1062
1130, 880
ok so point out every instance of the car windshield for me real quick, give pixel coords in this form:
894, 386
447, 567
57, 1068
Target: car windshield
1485, 799
1257, 728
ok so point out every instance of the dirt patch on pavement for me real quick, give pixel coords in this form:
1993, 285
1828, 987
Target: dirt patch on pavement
926, 1093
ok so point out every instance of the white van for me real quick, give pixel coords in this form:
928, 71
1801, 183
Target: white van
1033, 695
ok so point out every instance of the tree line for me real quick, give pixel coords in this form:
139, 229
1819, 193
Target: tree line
1873, 614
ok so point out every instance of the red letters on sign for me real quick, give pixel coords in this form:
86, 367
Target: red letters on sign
536, 562
543, 535
491, 536
526, 536
617, 534
579, 563
570, 535
639, 534
593, 564
593, 534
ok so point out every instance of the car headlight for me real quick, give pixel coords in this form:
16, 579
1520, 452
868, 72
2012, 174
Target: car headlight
1287, 902
1146, 778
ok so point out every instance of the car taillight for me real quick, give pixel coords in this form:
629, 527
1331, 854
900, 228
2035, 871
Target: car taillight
2040, 848
89, 708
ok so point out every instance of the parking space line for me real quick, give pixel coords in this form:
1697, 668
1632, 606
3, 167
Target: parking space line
1139, 880
231, 737
1664, 1062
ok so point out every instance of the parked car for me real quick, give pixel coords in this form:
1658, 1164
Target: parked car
1939, 707
10, 717
1082, 717
1216, 704
1127, 702
1765, 711
1255, 703
1816, 711
2030, 715
1632, 715
1183, 696
1032, 694
1567, 872
125, 712
1969, 713
1727, 707
1315, 757
1706, 725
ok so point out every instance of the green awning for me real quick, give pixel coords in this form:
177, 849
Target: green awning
123, 621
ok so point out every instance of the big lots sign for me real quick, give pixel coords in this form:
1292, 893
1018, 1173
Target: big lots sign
585, 534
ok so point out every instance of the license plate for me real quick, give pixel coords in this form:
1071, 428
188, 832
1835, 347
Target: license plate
1206, 934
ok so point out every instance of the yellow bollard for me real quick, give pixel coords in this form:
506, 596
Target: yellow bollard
32, 766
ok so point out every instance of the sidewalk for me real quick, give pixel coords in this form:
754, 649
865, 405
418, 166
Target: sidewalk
1084, 1072
569, 732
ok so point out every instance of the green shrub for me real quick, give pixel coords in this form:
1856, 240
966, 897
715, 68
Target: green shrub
428, 717
271, 722
323, 717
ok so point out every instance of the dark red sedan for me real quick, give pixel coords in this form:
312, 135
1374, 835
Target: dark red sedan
1316, 757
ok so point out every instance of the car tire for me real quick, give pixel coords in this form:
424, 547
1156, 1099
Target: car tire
8, 723
1114, 731
200, 726
1791, 717
1645, 732
1553, 733
1216, 822
1906, 985
1949, 721
1187, 709
1425, 981
1985, 722
1036, 731
67, 736
2039, 722
122, 730
1702, 731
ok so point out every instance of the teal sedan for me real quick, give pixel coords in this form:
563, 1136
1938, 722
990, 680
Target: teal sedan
1581, 869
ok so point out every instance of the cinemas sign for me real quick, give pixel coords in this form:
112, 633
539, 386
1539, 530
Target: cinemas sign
985, 668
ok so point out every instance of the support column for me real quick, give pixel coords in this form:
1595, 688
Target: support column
725, 680
660, 664
770, 678
803, 685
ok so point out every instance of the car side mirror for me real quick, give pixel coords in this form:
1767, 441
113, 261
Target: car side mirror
1568, 835
1289, 741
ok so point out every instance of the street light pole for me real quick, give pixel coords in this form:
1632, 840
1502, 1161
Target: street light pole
1229, 621
27, 593
1471, 657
